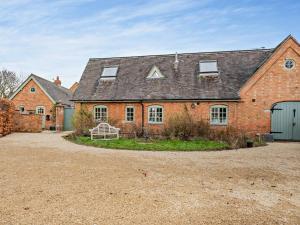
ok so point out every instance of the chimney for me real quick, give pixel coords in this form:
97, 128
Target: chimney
57, 81
176, 63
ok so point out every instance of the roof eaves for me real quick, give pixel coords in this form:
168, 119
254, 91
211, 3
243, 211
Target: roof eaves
158, 100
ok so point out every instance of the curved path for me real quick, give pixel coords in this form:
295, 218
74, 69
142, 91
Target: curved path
45, 179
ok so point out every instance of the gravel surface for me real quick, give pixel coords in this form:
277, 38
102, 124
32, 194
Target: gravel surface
45, 179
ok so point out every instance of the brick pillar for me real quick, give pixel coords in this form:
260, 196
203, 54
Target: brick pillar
59, 118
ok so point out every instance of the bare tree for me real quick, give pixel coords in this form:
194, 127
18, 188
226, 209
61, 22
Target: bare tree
9, 81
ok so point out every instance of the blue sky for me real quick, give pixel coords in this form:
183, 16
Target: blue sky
52, 38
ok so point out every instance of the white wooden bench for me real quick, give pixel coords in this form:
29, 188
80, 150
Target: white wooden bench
104, 131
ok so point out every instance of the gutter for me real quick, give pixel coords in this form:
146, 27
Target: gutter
162, 100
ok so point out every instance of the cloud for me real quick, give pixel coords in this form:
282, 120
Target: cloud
57, 37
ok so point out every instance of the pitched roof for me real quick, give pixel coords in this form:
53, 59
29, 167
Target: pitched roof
58, 94
131, 83
74, 87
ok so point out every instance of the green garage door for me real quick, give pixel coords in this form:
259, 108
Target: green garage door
68, 114
285, 121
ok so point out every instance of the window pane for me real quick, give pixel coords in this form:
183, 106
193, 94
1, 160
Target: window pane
40, 110
109, 72
219, 115
208, 66
159, 118
156, 114
129, 114
100, 113
152, 114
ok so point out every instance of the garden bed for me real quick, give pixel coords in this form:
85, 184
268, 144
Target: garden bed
150, 145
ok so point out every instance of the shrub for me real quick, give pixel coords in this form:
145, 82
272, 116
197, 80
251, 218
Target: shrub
202, 129
83, 121
182, 126
131, 130
233, 137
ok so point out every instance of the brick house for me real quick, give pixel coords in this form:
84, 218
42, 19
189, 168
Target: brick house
37, 95
253, 90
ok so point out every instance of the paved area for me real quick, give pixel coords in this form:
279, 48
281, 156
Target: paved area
46, 180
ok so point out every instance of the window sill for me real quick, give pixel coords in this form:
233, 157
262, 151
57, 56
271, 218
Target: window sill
155, 123
218, 124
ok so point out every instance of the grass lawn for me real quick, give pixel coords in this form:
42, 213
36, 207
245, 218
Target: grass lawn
151, 145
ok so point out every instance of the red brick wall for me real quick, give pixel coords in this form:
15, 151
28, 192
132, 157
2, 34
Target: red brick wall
31, 100
116, 111
27, 123
273, 83
59, 118
6, 117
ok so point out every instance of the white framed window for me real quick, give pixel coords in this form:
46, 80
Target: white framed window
21, 109
155, 73
208, 66
32, 90
109, 72
129, 114
155, 114
289, 64
219, 115
101, 113
40, 110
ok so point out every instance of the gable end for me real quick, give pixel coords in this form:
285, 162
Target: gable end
288, 43
20, 88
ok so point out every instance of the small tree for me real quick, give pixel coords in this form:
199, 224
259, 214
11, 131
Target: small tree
9, 81
83, 121
180, 125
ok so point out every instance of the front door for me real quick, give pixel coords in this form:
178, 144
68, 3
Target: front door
68, 115
40, 110
285, 121
43, 121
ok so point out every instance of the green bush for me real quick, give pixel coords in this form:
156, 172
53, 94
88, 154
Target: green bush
83, 121
233, 137
182, 126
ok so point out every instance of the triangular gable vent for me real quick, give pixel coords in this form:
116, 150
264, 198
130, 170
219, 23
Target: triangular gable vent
155, 73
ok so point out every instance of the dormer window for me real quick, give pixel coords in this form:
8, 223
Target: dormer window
155, 73
109, 72
208, 68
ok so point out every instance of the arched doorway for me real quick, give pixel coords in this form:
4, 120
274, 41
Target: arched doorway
285, 121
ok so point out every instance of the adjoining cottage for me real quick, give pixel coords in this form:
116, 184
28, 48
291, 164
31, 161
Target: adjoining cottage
37, 95
254, 90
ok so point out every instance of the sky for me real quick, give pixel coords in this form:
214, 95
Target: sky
57, 37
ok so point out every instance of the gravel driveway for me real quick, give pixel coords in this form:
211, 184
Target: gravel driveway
46, 180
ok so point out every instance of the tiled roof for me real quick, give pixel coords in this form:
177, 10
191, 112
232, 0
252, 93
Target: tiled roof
131, 83
59, 94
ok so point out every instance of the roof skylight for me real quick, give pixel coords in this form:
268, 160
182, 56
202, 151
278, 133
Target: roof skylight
208, 66
109, 72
